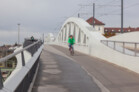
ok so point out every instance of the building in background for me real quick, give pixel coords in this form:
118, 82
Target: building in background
8, 66
109, 31
99, 26
7, 50
50, 38
116, 31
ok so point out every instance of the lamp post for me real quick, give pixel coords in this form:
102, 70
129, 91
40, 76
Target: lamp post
18, 33
78, 15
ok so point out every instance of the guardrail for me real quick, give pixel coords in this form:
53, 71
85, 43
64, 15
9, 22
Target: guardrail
129, 48
28, 78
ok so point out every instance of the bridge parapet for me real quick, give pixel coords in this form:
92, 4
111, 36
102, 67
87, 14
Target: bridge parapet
128, 48
34, 48
27, 63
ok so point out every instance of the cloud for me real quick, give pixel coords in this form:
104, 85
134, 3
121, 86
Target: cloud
43, 16
10, 37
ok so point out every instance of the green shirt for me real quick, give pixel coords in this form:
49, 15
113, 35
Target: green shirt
71, 41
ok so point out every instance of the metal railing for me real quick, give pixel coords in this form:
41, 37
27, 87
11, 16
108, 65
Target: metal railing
129, 48
34, 46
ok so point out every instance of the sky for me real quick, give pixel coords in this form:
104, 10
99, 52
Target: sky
44, 16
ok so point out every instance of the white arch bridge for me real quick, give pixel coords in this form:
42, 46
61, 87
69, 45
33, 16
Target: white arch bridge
92, 42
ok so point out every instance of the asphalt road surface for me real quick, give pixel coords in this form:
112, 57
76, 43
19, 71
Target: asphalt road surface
113, 77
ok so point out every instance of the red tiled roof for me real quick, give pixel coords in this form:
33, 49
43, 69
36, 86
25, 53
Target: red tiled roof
117, 30
137, 29
97, 22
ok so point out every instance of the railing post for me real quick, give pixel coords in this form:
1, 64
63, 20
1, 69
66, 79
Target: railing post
123, 47
1, 82
107, 43
23, 59
114, 45
135, 49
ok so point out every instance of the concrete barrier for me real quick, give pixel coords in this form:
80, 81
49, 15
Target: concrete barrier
20, 72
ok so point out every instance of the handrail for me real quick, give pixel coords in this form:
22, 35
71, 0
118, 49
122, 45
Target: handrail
4, 59
120, 41
12, 55
124, 49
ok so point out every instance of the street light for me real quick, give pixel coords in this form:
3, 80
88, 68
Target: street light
18, 33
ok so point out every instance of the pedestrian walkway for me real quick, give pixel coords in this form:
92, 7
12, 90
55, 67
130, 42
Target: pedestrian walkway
59, 73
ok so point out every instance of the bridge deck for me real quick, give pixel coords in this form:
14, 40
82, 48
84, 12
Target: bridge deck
74, 79
58, 73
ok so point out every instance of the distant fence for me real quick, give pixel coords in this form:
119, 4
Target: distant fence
128, 48
31, 47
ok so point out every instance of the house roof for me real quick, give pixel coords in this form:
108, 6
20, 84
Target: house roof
97, 22
137, 29
117, 30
